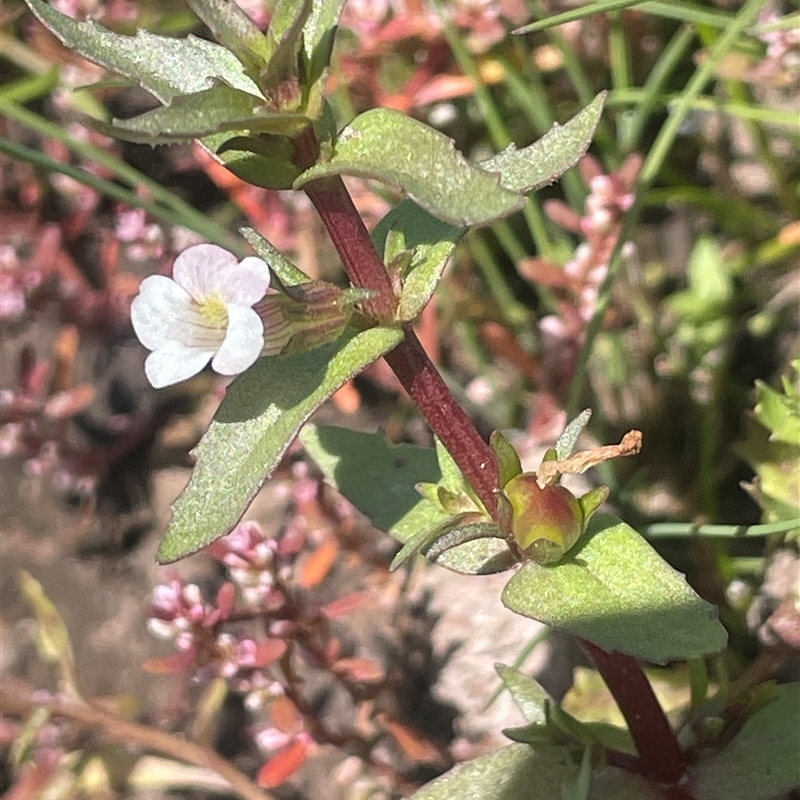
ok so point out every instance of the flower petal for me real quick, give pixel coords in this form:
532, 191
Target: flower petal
243, 341
174, 362
156, 309
201, 269
246, 283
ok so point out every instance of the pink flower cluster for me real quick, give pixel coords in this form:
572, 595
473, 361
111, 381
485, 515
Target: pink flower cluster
577, 283
781, 64
265, 616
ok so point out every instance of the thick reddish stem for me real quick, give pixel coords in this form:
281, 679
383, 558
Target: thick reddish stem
659, 752
658, 749
415, 371
352, 241
447, 419
348, 233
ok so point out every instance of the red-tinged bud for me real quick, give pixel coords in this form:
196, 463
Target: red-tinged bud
300, 318
546, 522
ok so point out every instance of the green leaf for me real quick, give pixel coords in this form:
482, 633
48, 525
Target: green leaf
281, 78
431, 242
378, 477
424, 273
419, 228
482, 557
612, 783
423, 539
779, 412
319, 33
561, 727
410, 156
24, 747
616, 591
164, 66
516, 772
194, 116
52, 637
287, 16
413, 545
776, 487
761, 761
456, 547
551, 156
260, 416
263, 160
234, 30
452, 478
528, 694
709, 275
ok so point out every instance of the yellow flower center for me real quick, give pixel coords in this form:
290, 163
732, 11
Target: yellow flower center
215, 311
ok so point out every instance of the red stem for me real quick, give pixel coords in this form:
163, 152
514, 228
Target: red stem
447, 418
415, 371
659, 752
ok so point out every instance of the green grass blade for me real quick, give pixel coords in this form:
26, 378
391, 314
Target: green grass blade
166, 206
652, 166
112, 190
681, 529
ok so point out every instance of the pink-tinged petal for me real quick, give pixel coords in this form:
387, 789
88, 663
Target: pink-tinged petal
157, 307
173, 363
243, 342
197, 269
246, 283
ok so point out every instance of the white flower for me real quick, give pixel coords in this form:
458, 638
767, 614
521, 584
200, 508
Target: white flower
203, 313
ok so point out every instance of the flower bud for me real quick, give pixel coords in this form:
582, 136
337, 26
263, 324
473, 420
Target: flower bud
546, 522
303, 317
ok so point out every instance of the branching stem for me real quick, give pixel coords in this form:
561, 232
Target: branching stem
659, 753
92, 717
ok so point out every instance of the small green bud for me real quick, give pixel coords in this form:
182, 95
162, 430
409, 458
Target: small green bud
547, 522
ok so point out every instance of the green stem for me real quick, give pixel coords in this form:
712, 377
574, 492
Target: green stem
116, 192
667, 529
165, 205
650, 170
665, 67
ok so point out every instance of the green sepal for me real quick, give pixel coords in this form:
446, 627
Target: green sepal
286, 272
305, 316
592, 500
507, 457
569, 438
551, 454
